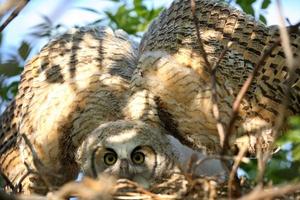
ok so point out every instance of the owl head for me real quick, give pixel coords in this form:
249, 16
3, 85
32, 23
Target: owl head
128, 149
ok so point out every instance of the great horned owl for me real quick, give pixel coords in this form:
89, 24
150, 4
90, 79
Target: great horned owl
82, 84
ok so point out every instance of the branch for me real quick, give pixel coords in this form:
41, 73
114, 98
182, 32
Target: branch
270, 193
234, 169
14, 14
200, 43
212, 71
215, 107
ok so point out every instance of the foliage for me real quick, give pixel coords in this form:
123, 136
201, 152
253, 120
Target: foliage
10, 69
132, 19
248, 7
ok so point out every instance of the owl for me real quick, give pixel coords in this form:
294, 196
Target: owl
95, 100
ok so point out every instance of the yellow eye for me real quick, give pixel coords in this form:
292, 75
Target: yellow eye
138, 158
110, 158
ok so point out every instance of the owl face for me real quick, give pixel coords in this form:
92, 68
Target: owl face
128, 149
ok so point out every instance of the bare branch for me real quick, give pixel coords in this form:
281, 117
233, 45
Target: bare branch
200, 43
234, 169
270, 193
212, 72
215, 107
285, 40
14, 14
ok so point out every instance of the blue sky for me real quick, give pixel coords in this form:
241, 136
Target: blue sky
67, 12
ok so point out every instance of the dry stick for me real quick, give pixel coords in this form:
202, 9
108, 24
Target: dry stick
215, 107
139, 189
212, 71
14, 14
271, 193
200, 43
235, 166
285, 40
261, 160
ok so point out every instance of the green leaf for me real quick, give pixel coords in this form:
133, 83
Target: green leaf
265, 4
262, 19
247, 6
24, 50
132, 19
10, 69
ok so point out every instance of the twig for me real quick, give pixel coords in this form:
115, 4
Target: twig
212, 71
271, 193
200, 43
285, 40
14, 14
215, 107
261, 162
233, 171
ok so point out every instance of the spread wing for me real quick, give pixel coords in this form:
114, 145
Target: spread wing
78, 81
172, 69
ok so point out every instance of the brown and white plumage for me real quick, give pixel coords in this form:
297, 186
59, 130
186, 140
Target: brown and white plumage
82, 83
78, 81
172, 69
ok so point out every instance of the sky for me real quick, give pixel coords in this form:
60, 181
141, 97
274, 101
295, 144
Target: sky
68, 12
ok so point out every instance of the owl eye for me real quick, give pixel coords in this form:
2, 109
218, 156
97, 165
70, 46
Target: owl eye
110, 158
138, 158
